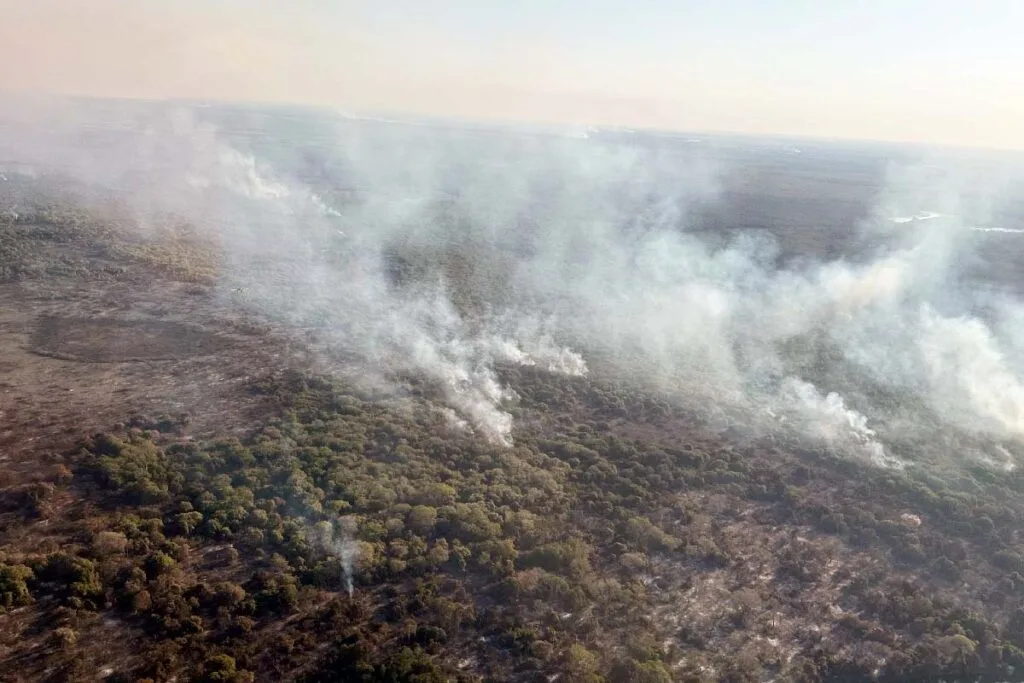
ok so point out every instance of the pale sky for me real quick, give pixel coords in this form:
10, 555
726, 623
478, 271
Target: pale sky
946, 71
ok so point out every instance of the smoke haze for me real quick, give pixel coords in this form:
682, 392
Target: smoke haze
446, 253
872, 71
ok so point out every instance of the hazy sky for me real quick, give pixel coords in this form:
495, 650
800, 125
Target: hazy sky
946, 71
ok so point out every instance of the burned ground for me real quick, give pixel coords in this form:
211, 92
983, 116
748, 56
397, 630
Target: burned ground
111, 340
168, 457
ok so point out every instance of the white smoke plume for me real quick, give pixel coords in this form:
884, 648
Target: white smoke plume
830, 420
448, 253
339, 539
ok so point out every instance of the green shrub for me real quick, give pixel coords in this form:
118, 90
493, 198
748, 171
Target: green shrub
14, 590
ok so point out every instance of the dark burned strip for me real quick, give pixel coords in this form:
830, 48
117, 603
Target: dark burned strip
112, 340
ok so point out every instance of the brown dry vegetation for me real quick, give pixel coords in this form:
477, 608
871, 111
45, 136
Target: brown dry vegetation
158, 510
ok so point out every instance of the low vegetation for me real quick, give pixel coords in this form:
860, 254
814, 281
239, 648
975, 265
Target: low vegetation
577, 552
360, 537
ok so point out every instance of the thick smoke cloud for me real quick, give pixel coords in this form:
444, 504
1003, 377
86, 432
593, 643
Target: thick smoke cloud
446, 253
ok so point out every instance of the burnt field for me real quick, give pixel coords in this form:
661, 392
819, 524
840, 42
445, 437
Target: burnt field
110, 340
234, 449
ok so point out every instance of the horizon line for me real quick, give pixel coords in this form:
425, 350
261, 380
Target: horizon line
425, 117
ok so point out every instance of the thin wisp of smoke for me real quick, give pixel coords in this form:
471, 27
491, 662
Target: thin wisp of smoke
338, 539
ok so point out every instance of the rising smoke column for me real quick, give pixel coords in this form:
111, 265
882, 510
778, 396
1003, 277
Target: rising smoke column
338, 539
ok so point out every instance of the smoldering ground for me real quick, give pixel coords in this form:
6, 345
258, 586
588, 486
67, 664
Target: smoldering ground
446, 251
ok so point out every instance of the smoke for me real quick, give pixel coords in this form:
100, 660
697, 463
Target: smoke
828, 419
339, 539
447, 253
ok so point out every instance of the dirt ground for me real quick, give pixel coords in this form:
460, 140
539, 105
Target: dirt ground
81, 354
89, 347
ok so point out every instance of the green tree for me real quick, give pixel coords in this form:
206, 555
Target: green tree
422, 519
14, 586
581, 665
